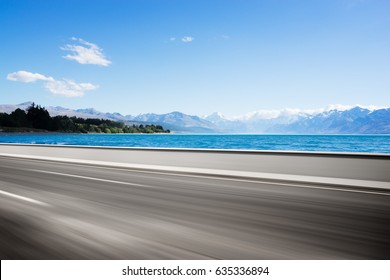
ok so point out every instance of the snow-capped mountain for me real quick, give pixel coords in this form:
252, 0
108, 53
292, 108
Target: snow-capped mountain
10, 108
330, 120
353, 121
224, 124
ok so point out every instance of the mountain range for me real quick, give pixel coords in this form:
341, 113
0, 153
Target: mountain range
332, 120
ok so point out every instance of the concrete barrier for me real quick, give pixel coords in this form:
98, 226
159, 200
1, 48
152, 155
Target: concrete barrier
365, 167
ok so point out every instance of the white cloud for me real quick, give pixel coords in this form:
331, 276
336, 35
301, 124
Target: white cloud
85, 53
187, 39
27, 77
68, 88
172, 39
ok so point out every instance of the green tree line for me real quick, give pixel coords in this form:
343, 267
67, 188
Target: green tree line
37, 118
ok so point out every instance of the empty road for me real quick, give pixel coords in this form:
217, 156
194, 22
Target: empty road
62, 210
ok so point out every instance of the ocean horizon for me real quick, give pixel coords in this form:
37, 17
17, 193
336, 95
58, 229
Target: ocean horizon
376, 143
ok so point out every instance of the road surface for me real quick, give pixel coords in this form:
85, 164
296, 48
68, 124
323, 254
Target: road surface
63, 210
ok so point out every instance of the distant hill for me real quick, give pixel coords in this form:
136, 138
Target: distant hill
37, 119
60, 111
178, 121
174, 121
344, 120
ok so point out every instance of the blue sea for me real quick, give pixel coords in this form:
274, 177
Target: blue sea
323, 143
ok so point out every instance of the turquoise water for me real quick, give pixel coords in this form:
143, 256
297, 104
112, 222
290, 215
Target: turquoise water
329, 143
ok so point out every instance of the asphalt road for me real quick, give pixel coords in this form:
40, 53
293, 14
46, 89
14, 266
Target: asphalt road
54, 210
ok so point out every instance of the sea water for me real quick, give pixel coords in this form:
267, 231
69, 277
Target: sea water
323, 143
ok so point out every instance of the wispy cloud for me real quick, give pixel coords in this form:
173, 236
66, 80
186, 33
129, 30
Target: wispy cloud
172, 39
85, 53
68, 88
27, 77
65, 87
187, 39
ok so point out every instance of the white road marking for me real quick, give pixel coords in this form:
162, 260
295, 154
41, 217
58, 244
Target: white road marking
212, 178
252, 181
169, 173
333, 183
258, 178
23, 198
90, 178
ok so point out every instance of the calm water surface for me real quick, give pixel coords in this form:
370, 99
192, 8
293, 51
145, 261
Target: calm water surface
331, 143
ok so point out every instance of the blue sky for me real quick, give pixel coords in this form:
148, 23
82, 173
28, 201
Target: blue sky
195, 56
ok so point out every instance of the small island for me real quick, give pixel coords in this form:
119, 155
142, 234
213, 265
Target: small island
38, 119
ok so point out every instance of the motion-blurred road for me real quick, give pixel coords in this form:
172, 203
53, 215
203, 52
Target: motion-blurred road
54, 210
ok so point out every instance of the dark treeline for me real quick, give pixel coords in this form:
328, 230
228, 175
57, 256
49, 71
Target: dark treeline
37, 118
